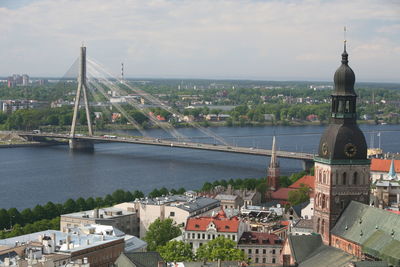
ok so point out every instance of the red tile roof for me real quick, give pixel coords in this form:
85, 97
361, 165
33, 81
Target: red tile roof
222, 223
307, 180
394, 211
282, 193
383, 165
258, 238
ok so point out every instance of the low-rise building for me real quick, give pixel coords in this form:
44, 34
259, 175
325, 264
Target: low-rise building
176, 207
230, 201
124, 220
386, 189
200, 230
58, 248
261, 247
380, 168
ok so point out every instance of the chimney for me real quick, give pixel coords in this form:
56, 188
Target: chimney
96, 213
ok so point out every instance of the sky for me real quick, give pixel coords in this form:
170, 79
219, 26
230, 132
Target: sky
210, 39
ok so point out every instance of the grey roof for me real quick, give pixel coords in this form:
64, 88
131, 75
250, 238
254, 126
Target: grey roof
376, 230
190, 204
370, 264
226, 197
326, 256
297, 208
302, 246
144, 259
307, 224
104, 213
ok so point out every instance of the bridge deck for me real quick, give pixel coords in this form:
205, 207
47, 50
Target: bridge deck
168, 143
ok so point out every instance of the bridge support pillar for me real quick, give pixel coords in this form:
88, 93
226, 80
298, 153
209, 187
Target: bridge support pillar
81, 145
308, 164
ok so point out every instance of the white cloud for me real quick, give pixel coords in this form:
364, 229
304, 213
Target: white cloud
208, 38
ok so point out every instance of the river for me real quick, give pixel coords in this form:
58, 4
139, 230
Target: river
35, 175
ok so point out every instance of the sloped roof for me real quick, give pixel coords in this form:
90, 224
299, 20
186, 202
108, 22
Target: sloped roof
383, 165
297, 208
306, 180
221, 222
302, 246
145, 259
376, 230
326, 256
282, 193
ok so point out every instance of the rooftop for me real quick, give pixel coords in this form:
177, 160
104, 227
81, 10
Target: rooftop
188, 203
78, 241
258, 238
376, 230
383, 165
104, 213
226, 197
220, 221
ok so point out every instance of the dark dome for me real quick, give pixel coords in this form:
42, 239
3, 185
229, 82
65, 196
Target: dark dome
342, 141
344, 78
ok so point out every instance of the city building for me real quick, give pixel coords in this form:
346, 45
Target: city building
10, 106
261, 247
201, 229
341, 166
124, 220
309, 250
386, 190
301, 227
368, 233
381, 167
176, 207
230, 201
58, 248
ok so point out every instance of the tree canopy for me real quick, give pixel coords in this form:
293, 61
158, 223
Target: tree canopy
160, 232
220, 248
176, 251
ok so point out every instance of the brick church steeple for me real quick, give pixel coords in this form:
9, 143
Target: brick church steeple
341, 166
273, 169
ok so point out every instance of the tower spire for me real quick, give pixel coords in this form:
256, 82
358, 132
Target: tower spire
273, 162
273, 169
392, 173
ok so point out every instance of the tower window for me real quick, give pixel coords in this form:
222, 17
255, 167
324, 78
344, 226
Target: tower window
323, 227
344, 182
355, 178
347, 109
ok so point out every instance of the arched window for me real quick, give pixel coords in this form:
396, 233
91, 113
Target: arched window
322, 227
344, 182
324, 177
337, 178
318, 224
355, 178
323, 201
320, 176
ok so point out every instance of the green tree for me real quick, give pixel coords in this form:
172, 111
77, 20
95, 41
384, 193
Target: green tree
4, 219
81, 204
138, 194
15, 216
51, 210
27, 216
91, 203
160, 232
118, 196
220, 248
175, 251
299, 196
70, 206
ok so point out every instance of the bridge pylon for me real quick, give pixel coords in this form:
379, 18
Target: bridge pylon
76, 143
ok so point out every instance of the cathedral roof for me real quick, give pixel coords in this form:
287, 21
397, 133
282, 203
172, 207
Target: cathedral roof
344, 77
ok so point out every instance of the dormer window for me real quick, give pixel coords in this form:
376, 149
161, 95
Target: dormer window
226, 226
197, 226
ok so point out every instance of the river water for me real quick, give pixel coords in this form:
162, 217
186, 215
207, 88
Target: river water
35, 175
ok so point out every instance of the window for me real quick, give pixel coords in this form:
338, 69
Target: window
257, 251
264, 260
323, 227
233, 237
208, 236
198, 236
273, 251
264, 251
344, 179
203, 236
249, 251
355, 178
172, 214
256, 260
200, 244
273, 260
193, 235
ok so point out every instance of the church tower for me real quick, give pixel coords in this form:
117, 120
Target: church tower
341, 166
273, 170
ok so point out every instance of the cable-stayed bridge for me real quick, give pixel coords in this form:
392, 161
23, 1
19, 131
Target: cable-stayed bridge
95, 82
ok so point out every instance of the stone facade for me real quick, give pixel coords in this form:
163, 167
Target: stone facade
335, 187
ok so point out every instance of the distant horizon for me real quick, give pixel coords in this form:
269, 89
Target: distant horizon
209, 79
